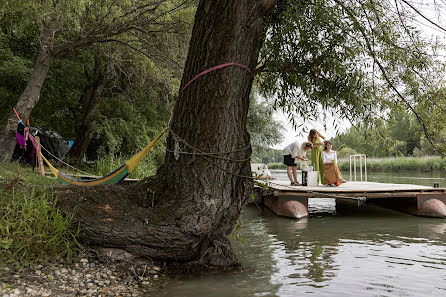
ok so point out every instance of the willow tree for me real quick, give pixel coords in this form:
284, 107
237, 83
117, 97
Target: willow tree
315, 51
356, 59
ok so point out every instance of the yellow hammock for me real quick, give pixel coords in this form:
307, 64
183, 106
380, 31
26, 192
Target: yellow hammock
112, 178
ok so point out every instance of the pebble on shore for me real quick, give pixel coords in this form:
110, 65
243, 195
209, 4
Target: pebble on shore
85, 278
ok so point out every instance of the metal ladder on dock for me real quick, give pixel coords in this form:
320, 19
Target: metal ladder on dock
354, 157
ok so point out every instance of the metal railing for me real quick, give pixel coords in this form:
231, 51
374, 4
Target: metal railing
354, 157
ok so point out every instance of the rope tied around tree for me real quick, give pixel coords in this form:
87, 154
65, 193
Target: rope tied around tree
177, 151
203, 73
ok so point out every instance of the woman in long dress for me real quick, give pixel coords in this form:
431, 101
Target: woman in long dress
316, 153
331, 170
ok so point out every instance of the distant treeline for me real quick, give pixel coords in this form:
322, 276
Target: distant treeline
425, 164
400, 135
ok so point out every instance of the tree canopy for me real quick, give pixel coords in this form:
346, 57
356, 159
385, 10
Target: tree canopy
363, 60
357, 59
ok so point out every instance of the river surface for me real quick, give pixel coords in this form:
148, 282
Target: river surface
349, 251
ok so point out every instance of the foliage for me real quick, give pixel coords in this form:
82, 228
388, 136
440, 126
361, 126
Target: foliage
398, 135
32, 228
109, 163
356, 59
145, 68
276, 165
266, 155
14, 72
345, 152
426, 164
263, 128
14, 173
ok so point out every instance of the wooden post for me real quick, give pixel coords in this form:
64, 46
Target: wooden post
39, 157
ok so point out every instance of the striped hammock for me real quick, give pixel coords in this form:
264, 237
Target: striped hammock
115, 177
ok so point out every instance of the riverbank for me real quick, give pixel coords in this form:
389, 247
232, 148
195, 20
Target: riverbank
40, 252
424, 164
86, 277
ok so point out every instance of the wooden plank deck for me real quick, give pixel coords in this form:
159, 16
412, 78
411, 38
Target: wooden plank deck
363, 189
292, 201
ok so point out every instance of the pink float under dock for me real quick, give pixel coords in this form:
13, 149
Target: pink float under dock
292, 201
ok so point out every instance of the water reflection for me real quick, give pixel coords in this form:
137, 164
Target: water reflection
340, 250
366, 250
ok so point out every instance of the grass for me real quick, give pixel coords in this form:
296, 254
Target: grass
32, 228
426, 164
108, 164
14, 170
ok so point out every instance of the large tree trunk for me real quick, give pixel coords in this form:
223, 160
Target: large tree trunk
196, 199
92, 97
30, 95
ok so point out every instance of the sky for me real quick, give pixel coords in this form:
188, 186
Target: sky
291, 135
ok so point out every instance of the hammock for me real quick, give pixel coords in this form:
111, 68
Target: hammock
122, 172
115, 177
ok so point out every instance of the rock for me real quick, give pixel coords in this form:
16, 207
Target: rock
116, 254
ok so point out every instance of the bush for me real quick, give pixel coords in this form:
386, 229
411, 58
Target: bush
345, 153
276, 166
33, 229
432, 163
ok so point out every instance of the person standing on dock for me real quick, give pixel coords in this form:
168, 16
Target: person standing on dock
316, 154
292, 152
331, 170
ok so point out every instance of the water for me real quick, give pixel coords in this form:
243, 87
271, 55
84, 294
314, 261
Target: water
348, 251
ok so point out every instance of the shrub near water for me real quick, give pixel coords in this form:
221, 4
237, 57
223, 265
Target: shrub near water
389, 164
398, 164
32, 228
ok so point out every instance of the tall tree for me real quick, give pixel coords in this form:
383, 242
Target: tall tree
186, 211
66, 26
90, 98
198, 198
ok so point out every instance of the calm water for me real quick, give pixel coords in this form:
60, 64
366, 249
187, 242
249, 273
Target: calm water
337, 251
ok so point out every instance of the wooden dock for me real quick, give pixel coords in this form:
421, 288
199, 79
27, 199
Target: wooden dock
292, 201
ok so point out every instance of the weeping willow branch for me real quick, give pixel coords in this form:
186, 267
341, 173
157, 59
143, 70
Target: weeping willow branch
371, 52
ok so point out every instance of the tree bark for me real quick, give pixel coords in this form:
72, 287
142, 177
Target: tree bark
186, 212
30, 95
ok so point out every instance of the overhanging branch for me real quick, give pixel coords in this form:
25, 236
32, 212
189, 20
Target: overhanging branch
384, 72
